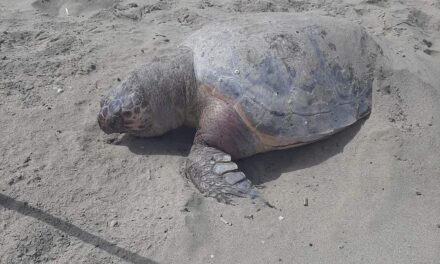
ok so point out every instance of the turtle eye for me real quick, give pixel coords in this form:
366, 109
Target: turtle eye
127, 114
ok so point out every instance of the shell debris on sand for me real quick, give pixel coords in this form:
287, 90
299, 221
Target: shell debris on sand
114, 223
306, 202
250, 217
225, 221
58, 90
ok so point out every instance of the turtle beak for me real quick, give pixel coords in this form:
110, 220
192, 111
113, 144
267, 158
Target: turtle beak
109, 118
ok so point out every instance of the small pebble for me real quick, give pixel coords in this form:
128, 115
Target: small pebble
269, 205
281, 218
306, 201
427, 51
212, 256
418, 193
114, 223
250, 217
224, 221
341, 246
427, 43
59, 90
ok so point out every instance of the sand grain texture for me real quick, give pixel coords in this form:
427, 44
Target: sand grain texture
70, 194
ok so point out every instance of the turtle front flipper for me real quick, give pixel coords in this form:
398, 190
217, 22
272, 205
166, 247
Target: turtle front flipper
221, 137
215, 175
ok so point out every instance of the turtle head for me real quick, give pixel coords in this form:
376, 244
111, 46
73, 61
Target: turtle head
134, 109
141, 106
153, 99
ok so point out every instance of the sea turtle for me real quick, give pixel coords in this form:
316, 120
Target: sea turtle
252, 84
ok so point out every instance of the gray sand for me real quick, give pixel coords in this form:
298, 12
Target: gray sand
71, 194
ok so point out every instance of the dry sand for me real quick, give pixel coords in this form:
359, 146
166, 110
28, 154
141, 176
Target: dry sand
70, 194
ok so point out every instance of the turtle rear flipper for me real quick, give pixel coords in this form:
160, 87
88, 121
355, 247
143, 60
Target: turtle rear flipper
215, 175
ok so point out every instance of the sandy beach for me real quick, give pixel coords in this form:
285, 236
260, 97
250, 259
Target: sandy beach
71, 194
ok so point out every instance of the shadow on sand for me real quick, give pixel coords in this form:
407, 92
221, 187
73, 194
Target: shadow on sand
260, 168
72, 230
269, 166
176, 143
